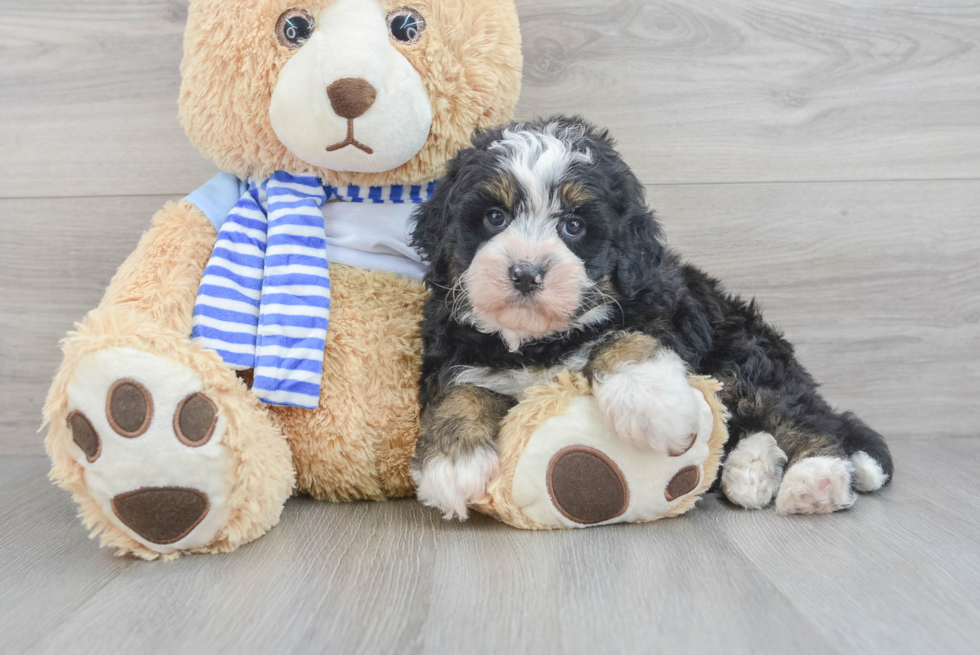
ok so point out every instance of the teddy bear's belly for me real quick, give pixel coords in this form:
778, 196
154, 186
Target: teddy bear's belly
358, 443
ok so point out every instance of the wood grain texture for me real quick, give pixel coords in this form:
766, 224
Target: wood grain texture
898, 573
57, 257
702, 91
770, 90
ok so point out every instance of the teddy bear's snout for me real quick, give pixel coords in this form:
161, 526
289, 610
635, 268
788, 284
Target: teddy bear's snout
350, 97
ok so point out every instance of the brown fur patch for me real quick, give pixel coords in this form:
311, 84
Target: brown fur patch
575, 194
627, 347
466, 418
504, 190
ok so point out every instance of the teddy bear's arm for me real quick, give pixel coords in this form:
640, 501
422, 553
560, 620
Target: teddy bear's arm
160, 278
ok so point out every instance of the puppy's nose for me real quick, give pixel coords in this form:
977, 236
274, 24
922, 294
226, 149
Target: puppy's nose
527, 278
350, 97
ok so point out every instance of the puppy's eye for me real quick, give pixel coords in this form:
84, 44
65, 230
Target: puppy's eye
294, 28
406, 25
496, 219
573, 228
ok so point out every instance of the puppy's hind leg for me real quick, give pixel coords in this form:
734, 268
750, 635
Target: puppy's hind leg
819, 478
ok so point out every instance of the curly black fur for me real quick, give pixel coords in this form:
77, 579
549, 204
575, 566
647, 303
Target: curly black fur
716, 333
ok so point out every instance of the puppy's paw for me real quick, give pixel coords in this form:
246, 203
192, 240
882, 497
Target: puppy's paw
450, 486
650, 403
816, 485
753, 471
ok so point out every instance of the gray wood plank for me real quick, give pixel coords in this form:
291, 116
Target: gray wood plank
739, 90
48, 567
902, 566
883, 310
898, 573
719, 91
628, 589
56, 259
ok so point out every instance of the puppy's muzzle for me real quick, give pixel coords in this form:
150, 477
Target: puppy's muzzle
527, 278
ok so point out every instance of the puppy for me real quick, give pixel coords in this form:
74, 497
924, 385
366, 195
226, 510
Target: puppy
544, 257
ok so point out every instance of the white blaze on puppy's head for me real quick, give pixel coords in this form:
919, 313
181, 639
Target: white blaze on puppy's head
525, 282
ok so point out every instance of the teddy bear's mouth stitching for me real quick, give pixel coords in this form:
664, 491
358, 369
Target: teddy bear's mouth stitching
350, 140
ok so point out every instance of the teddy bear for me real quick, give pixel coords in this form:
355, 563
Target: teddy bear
263, 339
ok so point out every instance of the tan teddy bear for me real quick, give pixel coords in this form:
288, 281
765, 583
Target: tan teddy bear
263, 339
163, 447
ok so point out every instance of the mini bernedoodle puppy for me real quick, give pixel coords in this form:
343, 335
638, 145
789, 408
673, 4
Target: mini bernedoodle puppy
544, 256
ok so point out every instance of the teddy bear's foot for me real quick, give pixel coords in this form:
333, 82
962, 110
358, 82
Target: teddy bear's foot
753, 471
165, 454
575, 471
651, 404
816, 485
151, 442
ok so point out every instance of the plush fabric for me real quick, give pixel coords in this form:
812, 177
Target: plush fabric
469, 61
146, 308
466, 66
563, 416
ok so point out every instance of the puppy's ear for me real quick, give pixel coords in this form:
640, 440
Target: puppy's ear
432, 218
639, 252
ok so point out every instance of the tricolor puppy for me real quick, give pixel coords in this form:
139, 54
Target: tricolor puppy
544, 256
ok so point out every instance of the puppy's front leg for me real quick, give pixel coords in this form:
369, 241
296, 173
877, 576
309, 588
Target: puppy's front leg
455, 455
642, 388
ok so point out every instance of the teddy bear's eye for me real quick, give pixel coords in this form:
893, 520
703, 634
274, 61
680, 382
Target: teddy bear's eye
406, 25
294, 28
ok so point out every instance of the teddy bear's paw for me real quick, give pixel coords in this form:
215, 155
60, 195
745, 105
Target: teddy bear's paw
816, 485
150, 442
753, 471
651, 404
450, 486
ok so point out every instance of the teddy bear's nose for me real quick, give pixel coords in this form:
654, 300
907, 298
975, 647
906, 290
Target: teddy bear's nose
350, 97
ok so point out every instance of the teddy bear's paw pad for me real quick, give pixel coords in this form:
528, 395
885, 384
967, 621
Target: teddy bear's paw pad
129, 408
85, 436
684, 482
150, 440
575, 471
586, 486
161, 515
816, 485
753, 471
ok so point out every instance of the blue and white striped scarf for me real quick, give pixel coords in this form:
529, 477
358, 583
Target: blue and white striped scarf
264, 300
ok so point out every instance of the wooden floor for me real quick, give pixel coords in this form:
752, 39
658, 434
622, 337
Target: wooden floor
823, 156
